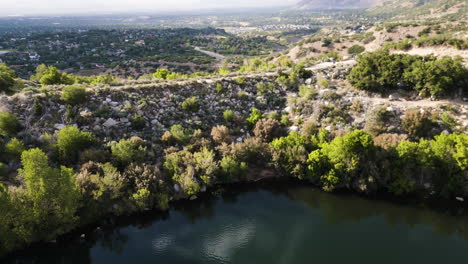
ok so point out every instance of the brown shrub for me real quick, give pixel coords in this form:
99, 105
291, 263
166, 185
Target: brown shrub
388, 140
220, 134
309, 128
417, 123
267, 129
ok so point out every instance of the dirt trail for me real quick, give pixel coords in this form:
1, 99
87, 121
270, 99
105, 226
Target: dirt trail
211, 53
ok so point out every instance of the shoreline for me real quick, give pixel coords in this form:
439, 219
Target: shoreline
277, 183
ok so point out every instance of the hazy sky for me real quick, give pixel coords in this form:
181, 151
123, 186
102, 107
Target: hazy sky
25, 7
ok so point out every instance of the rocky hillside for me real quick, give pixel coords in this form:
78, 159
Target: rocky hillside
336, 4
326, 99
421, 9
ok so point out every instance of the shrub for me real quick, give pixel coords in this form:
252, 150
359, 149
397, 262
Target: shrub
253, 151
243, 95
15, 147
219, 88
127, 151
229, 116
356, 49
255, 115
285, 121
377, 120
74, 95
9, 124
267, 129
417, 123
180, 134
220, 134
309, 128
7, 78
52, 76
388, 141
71, 141
190, 104
448, 121
231, 169
138, 122
95, 155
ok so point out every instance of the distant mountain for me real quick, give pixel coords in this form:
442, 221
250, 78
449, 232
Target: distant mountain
336, 4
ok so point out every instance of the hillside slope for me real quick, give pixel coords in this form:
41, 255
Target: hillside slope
421, 9
336, 4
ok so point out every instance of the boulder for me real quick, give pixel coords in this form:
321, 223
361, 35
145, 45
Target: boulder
110, 123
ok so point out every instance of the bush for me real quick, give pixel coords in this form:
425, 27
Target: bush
356, 49
138, 122
231, 169
7, 78
229, 116
52, 76
15, 147
220, 134
190, 104
377, 120
9, 124
127, 151
255, 116
74, 95
417, 124
267, 129
180, 134
71, 141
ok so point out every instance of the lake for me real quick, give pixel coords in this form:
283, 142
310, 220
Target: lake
281, 223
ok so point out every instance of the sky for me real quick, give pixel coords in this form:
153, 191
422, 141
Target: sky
32, 7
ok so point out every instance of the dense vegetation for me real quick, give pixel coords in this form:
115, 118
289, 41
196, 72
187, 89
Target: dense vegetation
383, 72
70, 179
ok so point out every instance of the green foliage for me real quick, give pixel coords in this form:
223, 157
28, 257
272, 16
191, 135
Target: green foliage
15, 147
437, 77
190, 104
290, 155
229, 116
74, 95
71, 141
255, 116
231, 169
52, 76
9, 124
127, 151
380, 72
7, 78
356, 49
161, 74
37, 108
180, 134
219, 88
52, 197
190, 170
343, 161
138, 122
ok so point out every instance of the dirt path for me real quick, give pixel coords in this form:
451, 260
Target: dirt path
211, 53
326, 65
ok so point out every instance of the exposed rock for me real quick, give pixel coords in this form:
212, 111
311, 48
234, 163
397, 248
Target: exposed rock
110, 123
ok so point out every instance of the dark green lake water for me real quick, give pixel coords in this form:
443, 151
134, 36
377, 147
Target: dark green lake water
286, 224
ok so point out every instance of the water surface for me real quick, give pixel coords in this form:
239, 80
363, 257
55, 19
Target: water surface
285, 224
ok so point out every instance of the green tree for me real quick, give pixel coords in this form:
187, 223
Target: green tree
7, 78
52, 193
